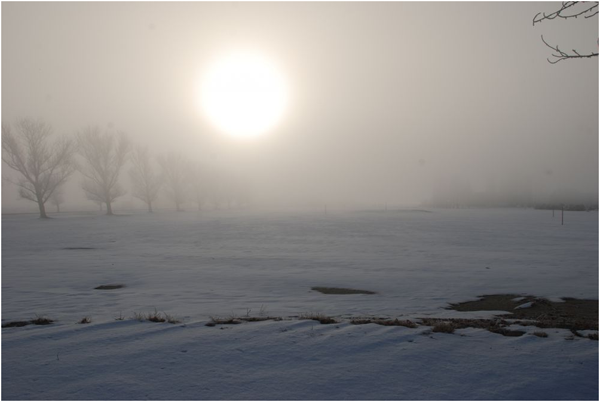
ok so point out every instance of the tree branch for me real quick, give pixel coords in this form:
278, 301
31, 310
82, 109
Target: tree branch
564, 55
562, 14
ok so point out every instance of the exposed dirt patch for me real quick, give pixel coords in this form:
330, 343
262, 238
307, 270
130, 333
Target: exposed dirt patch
109, 287
15, 324
573, 314
342, 291
508, 332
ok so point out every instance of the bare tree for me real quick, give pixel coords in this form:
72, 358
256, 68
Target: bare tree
568, 10
215, 188
58, 197
104, 155
42, 166
175, 168
146, 182
199, 183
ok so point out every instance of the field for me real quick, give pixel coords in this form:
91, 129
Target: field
202, 266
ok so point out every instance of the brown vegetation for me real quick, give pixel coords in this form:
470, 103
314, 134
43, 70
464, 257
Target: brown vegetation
386, 322
341, 291
322, 318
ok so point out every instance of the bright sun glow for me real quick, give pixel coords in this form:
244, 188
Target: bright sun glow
243, 94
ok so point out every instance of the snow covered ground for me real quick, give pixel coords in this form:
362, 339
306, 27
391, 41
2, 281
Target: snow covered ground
219, 263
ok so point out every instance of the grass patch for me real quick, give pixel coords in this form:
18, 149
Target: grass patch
443, 327
389, 323
153, 317
38, 320
258, 319
156, 317
15, 324
139, 316
322, 318
171, 319
593, 337
540, 334
231, 320
41, 321
497, 326
109, 287
341, 291
85, 320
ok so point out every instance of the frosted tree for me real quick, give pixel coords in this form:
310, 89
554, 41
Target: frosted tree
146, 182
104, 155
42, 165
175, 170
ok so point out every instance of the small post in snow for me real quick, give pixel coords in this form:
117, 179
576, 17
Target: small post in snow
562, 215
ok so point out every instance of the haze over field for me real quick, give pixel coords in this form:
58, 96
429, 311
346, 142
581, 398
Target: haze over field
299, 201
386, 103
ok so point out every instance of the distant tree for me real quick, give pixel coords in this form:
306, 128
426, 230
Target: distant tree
42, 165
146, 182
215, 188
240, 192
228, 189
199, 184
58, 197
104, 156
568, 10
234, 191
175, 170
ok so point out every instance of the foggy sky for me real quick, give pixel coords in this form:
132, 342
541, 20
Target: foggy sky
387, 100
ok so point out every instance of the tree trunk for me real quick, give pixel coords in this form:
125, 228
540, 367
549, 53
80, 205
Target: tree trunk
108, 208
42, 209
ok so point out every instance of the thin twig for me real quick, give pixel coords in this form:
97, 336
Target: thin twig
564, 55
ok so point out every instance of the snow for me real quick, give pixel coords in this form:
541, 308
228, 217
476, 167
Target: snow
218, 263
524, 305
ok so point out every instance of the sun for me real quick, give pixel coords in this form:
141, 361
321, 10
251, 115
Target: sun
243, 94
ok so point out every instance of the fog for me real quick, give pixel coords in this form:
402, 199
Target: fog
389, 103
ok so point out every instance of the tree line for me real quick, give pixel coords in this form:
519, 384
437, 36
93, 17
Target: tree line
44, 164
